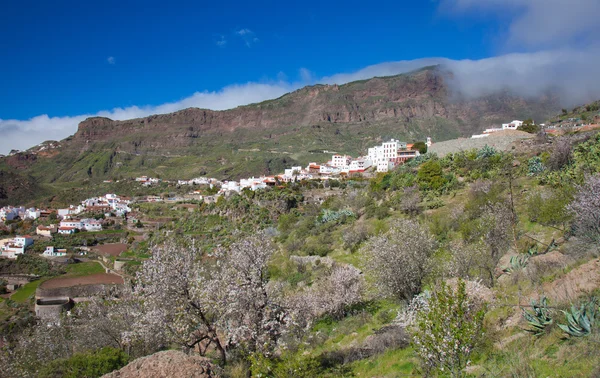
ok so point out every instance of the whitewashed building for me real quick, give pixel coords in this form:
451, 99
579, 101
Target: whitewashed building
9, 213
91, 225
361, 164
512, 125
16, 246
341, 161
54, 252
71, 223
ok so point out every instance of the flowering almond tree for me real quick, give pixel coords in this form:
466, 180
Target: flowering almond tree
223, 301
252, 314
172, 285
401, 258
335, 292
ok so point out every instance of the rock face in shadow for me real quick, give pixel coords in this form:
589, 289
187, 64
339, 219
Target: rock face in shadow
166, 364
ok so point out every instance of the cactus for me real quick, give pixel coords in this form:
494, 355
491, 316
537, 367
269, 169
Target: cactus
539, 318
580, 321
516, 263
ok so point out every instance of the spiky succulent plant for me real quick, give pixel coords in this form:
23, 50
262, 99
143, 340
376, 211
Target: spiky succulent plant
580, 320
516, 263
539, 318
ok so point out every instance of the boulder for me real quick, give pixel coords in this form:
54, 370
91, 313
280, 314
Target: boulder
167, 364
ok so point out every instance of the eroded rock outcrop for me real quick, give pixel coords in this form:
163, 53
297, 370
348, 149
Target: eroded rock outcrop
167, 364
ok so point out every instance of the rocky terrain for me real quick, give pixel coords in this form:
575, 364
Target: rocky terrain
502, 141
167, 364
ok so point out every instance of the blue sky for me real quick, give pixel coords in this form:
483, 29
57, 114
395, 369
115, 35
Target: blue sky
63, 61
55, 55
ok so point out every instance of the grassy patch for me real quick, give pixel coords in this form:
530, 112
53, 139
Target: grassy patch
393, 363
26, 292
84, 268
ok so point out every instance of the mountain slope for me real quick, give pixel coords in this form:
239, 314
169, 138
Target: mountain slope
265, 137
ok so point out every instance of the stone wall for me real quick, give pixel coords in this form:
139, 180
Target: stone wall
51, 308
73, 291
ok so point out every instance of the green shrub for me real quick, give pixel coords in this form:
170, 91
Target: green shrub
86, 365
549, 207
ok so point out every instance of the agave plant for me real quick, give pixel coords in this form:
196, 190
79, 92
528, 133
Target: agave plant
516, 263
580, 320
532, 251
539, 318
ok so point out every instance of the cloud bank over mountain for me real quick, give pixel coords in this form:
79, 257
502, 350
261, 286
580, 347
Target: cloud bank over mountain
568, 65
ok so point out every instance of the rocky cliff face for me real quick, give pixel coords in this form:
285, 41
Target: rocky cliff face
402, 99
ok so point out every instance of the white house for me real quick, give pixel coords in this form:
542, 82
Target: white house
512, 125
32, 213
292, 172
24, 241
67, 230
91, 225
328, 170
231, 186
52, 252
384, 165
16, 246
72, 223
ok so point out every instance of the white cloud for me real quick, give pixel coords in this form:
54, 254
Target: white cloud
221, 42
537, 23
111, 60
248, 36
306, 76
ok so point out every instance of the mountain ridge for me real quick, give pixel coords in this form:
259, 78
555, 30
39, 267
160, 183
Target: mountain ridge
265, 137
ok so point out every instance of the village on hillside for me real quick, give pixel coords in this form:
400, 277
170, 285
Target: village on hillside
95, 230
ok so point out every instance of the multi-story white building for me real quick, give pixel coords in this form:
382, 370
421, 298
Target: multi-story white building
361, 164
341, 161
389, 154
16, 246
